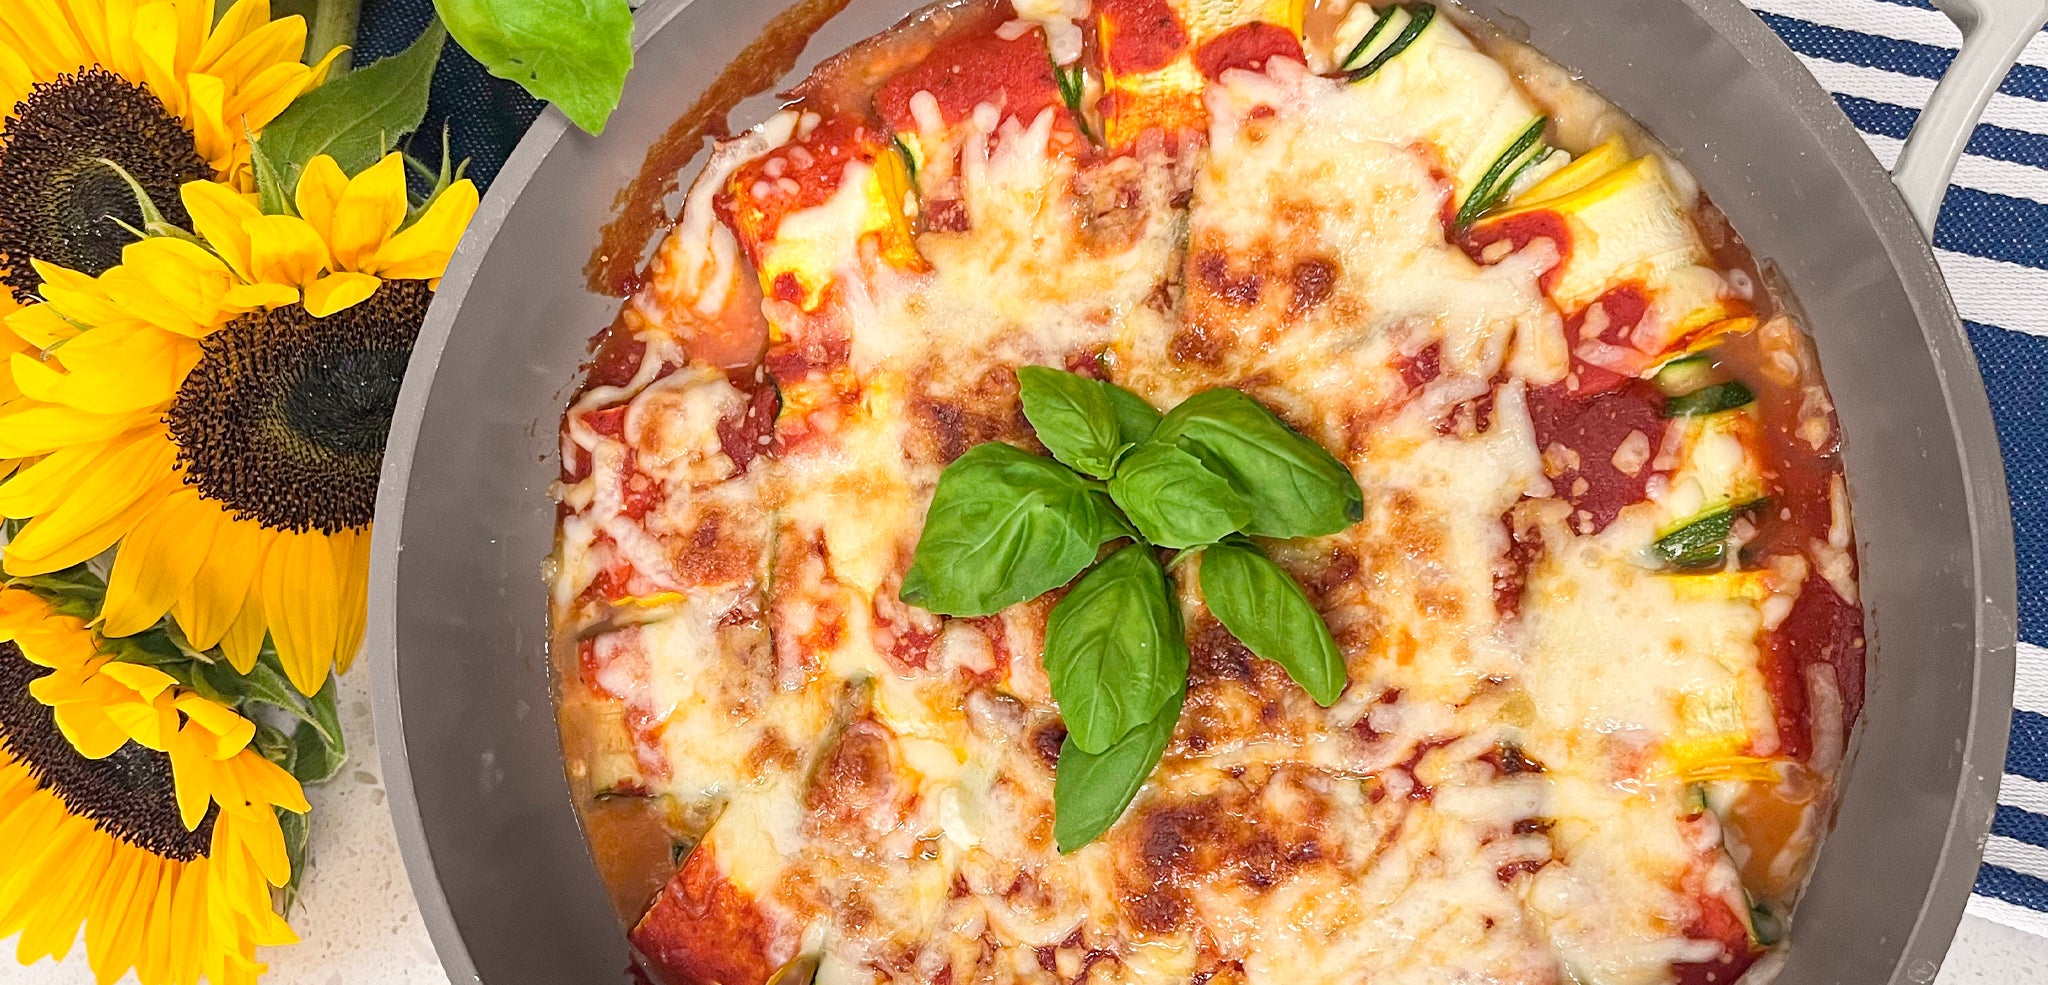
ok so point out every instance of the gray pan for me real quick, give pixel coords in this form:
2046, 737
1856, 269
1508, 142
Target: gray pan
458, 627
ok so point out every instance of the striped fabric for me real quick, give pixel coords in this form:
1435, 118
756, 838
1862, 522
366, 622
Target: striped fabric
1880, 59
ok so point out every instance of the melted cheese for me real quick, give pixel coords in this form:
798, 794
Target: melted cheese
1503, 793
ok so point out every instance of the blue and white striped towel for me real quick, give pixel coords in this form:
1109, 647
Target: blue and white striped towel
1880, 58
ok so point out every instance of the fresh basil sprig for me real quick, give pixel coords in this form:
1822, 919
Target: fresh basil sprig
1114, 649
1005, 526
573, 53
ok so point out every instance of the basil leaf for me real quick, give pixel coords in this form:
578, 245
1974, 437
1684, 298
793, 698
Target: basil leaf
1005, 527
1114, 649
1073, 417
1267, 611
1296, 488
356, 118
573, 53
1091, 790
1136, 418
1174, 499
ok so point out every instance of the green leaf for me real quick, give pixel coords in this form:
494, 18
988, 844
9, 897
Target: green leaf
274, 196
573, 53
1074, 418
357, 118
1091, 790
297, 828
314, 761
1136, 418
1114, 649
1267, 611
1005, 527
1174, 499
1296, 488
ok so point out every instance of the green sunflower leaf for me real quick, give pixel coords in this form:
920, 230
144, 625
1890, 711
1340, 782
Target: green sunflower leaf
357, 118
573, 53
296, 828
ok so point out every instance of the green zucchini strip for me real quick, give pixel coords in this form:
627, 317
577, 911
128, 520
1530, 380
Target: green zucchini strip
1365, 43
1703, 541
1422, 16
1709, 400
1498, 178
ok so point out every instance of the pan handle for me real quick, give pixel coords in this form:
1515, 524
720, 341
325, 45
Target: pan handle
1994, 33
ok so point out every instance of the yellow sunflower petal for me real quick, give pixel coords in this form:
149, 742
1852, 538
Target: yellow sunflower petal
157, 563
76, 295
242, 644
154, 34
53, 927
121, 942
338, 292
421, 250
40, 325
173, 284
369, 211
206, 113
116, 369
44, 484
352, 555
47, 33
42, 547
191, 776
228, 732
269, 92
219, 215
270, 43
302, 599
38, 429
154, 962
285, 249
240, 19
206, 609
15, 78
319, 194
249, 297
90, 729
143, 679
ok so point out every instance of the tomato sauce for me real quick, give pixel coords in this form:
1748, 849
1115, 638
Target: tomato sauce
962, 73
1139, 35
1246, 46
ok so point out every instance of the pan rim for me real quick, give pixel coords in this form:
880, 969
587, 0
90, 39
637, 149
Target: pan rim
1908, 249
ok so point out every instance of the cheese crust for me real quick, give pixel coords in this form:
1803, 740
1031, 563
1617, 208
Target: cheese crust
1556, 760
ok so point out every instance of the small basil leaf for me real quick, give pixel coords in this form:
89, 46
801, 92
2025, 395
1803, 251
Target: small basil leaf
1136, 418
1114, 649
1073, 417
1296, 488
1267, 611
573, 53
354, 119
1174, 499
1091, 790
1004, 527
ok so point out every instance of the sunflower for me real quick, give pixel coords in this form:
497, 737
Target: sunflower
160, 88
134, 807
218, 405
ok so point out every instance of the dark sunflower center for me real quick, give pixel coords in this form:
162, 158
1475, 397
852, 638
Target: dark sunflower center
128, 795
58, 201
283, 421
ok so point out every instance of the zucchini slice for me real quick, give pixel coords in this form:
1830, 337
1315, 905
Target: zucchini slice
1386, 41
1376, 39
1527, 149
1711, 399
1701, 542
1684, 375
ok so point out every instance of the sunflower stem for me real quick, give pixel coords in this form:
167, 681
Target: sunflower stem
333, 24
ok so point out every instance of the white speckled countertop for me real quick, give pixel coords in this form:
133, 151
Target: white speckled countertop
359, 925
